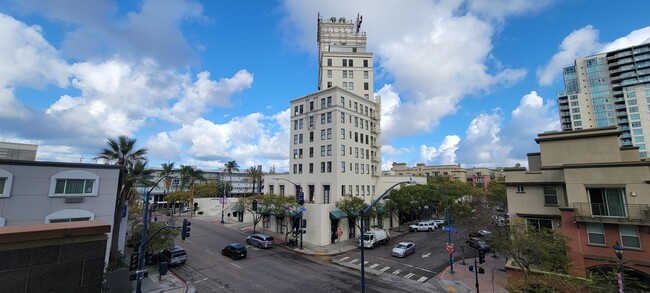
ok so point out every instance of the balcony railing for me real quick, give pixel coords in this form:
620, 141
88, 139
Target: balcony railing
612, 212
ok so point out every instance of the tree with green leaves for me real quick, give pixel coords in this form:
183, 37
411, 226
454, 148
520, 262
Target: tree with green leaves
121, 151
253, 175
210, 189
230, 167
189, 175
352, 206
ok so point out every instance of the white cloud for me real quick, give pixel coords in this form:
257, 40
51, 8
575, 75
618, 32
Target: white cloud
387, 149
445, 154
502, 8
579, 43
64, 103
634, 38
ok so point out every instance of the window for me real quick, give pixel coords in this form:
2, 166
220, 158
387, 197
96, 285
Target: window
326, 194
299, 168
329, 117
311, 169
295, 139
329, 84
342, 133
365, 86
295, 153
300, 154
281, 189
5, 184
342, 150
322, 167
520, 189
356, 168
350, 74
322, 134
365, 74
329, 167
596, 233
311, 136
311, 106
300, 124
365, 63
311, 152
322, 118
329, 133
329, 74
342, 117
301, 109
329, 101
342, 101
311, 120
550, 195
295, 168
345, 62
329, 62
322, 103
539, 223
350, 62
351, 85
630, 236
356, 152
322, 151
607, 202
343, 171
74, 182
345, 74
329, 150
300, 138
74, 186
295, 124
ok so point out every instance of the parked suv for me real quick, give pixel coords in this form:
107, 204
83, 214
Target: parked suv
422, 226
173, 256
260, 240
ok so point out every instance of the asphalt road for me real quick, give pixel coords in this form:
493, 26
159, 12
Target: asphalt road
270, 270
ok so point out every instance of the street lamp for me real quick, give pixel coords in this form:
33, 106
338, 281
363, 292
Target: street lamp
451, 255
145, 226
298, 195
223, 197
618, 250
362, 215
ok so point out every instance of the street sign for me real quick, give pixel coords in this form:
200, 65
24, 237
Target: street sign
450, 248
339, 232
223, 200
448, 228
303, 210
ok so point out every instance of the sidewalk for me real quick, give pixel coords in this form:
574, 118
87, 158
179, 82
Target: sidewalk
462, 280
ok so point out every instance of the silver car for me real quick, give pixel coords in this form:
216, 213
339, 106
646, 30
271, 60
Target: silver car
260, 240
403, 249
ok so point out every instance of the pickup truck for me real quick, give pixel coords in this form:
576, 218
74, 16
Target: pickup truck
422, 226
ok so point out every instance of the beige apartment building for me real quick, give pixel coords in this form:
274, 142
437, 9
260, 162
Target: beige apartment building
592, 190
610, 89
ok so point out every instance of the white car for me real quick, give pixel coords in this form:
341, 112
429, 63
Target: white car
422, 226
403, 249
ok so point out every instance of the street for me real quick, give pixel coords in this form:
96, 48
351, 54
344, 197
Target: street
269, 270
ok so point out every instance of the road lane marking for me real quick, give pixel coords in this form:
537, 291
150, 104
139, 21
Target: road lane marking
422, 279
200, 280
365, 262
374, 266
236, 265
396, 272
343, 259
384, 269
426, 255
354, 260
409, 275
210, 252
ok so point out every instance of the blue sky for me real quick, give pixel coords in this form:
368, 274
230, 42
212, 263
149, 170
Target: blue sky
204, 82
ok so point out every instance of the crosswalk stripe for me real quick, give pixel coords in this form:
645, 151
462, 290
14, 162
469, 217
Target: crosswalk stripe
354, 260
384, 269
409, 275
374, 266
343, 259
396, 272
365, 262
422, 279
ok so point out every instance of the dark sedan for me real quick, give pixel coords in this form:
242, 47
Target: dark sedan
235, 251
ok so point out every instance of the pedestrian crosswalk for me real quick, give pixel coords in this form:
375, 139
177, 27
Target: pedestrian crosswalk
386, 269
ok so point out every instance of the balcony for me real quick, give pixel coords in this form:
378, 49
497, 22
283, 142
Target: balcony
612, 213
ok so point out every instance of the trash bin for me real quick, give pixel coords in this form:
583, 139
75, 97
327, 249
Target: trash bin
292, 242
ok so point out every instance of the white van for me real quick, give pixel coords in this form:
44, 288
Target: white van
174, 256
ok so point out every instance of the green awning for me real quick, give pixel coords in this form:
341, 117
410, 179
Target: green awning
237, 209
294, 214
337, 215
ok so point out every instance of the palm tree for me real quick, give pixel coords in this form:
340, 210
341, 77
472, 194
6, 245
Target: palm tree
191, 175
254, 175
167, 170
230, 167
121, 151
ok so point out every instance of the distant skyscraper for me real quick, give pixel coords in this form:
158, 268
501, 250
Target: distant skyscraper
18, 151
610, 89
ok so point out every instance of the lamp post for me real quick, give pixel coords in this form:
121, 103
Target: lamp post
298, 191
618, 250
451, 255
223, 199
145, 226
362, 215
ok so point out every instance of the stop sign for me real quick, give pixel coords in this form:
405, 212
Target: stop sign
339, 232
450, 248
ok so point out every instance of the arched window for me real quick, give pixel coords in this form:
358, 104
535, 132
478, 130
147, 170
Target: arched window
74, 183
69, 215
5, 183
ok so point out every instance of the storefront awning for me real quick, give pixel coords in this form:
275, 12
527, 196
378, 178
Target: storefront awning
237, 209
337, 215
294, 214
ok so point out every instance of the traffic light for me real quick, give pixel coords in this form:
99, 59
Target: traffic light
304, 223
471, 268
133, 263
255, 205
481, 256
186, 229
301, 198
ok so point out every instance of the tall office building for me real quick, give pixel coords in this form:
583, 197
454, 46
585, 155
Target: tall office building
335, 131
610, 89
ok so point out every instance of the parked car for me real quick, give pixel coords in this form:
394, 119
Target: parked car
477, 243
436, 222
403, 249
260, 240
422, 226
173, 256
481, 234
235, 251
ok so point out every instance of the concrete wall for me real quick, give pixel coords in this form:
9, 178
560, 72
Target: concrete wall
60, 257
